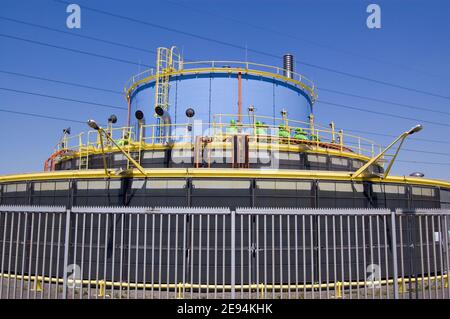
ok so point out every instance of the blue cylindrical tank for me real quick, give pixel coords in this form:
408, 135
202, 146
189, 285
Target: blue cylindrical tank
217, 92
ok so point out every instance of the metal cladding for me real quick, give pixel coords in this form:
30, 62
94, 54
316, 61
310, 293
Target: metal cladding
216, 87
216, 93
288, 65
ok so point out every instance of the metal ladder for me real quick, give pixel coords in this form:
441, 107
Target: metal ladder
167, 61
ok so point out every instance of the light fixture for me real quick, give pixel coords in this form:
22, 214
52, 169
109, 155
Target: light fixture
417, 174
166, 125
190, 112
139, 115
92, 124
112, 119
415, 129
159, 110
400, 138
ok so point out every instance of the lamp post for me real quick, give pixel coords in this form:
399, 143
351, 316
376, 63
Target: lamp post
101, 131
92, 124
400, 138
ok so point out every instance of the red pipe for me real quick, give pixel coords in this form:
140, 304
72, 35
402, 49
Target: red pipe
239, 96
129, 111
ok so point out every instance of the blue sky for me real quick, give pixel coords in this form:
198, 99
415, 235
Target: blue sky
410, 50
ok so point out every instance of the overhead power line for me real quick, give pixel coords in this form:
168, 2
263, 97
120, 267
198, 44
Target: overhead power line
60, 82
394, 136
427, 163
41, 116
383, 113
153, 52
121, 93
425, 152
118, 107
40, 26
63, 98
83, 122
240, 47
77, 121
306, 40
384, 101
46, 44
112, 106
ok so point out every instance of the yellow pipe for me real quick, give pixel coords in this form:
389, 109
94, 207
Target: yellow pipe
221, 173
275, 287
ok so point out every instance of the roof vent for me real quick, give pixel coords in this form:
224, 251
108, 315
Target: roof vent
288, 65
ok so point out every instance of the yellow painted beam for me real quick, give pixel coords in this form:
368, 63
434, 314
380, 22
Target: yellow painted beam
221, 173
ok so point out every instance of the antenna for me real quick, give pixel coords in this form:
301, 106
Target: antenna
246, 52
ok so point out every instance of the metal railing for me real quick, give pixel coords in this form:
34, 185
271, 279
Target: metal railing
260, 130
227, 66
169, 252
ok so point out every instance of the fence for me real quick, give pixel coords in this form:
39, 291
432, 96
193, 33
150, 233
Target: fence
137, 252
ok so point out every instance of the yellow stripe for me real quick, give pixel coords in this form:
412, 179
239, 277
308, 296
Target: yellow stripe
220, 173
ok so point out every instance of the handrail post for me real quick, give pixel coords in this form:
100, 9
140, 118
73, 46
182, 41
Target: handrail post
338, 289
179, 286
233, 251
333, 139
140, 144
311, 123
66, 253
394, 253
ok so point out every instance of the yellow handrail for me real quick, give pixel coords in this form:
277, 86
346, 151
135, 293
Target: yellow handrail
177, 287
316, 137
222, 66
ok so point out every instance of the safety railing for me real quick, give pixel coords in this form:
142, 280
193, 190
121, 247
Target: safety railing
70, 143
261, 131
189, 253
212, 66
251, 66
139, 77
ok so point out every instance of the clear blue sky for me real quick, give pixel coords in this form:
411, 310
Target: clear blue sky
412, 49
